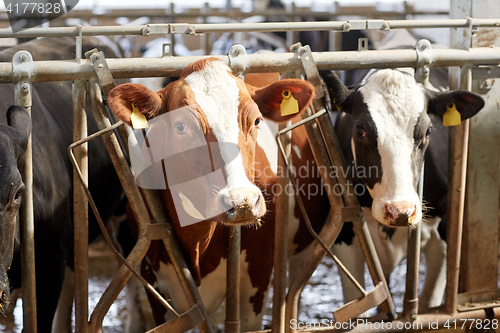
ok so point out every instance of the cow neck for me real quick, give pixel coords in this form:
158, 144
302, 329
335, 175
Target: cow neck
204, 244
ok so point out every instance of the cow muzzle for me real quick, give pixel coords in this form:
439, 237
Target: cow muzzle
401, 214
244, 206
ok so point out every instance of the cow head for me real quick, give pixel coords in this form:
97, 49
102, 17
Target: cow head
212, 119
13, 141
392, 131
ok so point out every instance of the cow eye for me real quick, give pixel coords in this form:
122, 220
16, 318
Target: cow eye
18, 194
429, 131
181, 127
257, 121
360, 131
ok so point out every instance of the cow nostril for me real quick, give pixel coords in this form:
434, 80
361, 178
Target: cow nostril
257, 202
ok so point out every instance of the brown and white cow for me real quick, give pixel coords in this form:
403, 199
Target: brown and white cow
206, 114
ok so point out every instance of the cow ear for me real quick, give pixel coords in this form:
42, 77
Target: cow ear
269, 98
467, 103
121, 98
20, 120
339, 93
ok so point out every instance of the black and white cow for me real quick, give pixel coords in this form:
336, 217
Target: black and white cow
52, 179
387, 127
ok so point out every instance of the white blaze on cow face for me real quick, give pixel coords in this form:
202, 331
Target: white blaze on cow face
217, 94
395, 102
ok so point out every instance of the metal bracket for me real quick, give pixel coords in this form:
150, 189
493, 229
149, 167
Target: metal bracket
238, 60
23, 72
363, 44
157, 231
311, 70
169, 47
102, 70
182, 28
425, 58
357, 24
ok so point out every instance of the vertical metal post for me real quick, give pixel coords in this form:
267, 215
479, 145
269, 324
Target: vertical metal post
482, 196
281, 231
281, 238
232, 323
457, 163
410, 306
22, 72
459, 142
80, 207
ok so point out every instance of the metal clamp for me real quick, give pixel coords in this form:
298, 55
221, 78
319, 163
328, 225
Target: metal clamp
23, 71
362, 44
425, 58
182, 28
169, 47
311, 70
102, 70
238, 60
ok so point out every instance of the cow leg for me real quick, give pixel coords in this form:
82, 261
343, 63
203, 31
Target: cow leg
137, 302
434, 249
49, 279
62, 318
254, 288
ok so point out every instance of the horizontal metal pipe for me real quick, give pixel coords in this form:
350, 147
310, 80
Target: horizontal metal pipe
69, 70
86, 31
159, 29
340, 25
368, 11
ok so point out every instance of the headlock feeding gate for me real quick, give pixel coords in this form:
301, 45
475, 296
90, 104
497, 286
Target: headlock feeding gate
474, 54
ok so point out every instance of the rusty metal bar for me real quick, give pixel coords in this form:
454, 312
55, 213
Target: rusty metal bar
135, 201
80, 177
22, 68
410, 305
80, 206
459, 144
281, 239
359, 226
232, 323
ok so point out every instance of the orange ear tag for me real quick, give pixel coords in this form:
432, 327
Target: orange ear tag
137, 119
289, 104
452, 117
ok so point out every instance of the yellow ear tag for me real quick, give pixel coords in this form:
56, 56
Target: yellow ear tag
289, 104
451, 117
137, 119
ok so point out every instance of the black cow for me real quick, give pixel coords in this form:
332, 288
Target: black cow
52, 179
388, 125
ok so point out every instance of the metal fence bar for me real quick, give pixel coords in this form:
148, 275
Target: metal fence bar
280, 260
237, 13
186, 28
81, 234
232, 323
257, 63
410, 305
136, 203
22, 70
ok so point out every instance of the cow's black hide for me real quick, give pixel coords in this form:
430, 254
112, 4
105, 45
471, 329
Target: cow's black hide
53, 172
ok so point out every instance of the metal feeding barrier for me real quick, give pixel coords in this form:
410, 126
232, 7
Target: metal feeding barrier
96, 69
